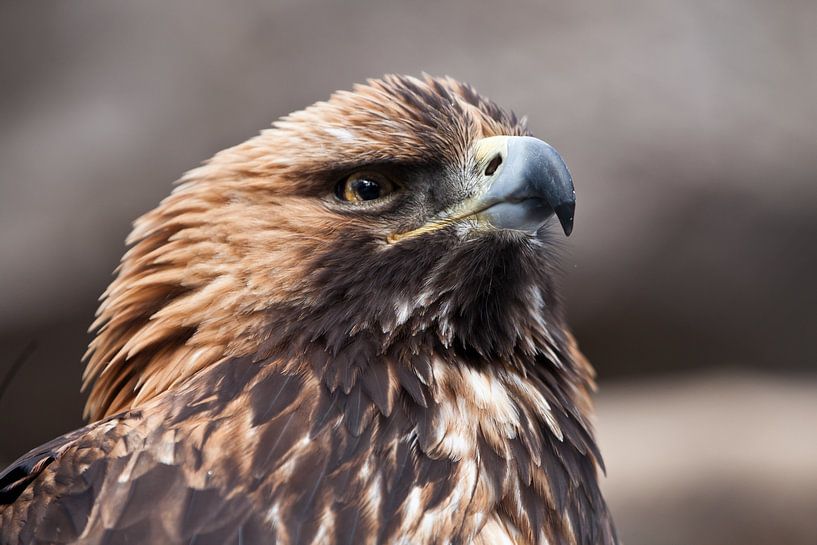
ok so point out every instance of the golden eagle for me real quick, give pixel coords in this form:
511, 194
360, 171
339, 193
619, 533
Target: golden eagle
344, 330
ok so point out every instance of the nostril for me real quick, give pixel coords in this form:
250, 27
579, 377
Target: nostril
493, 165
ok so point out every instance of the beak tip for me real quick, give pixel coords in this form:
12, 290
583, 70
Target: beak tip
565, 213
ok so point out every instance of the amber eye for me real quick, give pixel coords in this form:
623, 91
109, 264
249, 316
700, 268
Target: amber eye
363, 186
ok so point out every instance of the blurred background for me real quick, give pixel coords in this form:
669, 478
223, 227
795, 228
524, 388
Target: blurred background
691, 130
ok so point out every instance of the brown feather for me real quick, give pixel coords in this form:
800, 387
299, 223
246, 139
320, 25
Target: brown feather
266, 369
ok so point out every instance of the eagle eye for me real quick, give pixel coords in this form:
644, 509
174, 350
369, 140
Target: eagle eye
363, 186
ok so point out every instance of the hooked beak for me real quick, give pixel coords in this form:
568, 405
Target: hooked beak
530, 184
524, 182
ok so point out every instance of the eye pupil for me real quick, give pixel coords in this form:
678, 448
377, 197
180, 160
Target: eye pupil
363, 186
367, 190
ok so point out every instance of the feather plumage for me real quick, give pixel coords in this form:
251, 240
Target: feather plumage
267, 369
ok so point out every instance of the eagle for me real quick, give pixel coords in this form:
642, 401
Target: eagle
345, 330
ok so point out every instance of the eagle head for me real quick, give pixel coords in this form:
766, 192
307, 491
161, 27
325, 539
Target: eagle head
380, 261
406, 211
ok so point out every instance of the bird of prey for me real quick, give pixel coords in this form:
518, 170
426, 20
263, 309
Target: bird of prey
344, 330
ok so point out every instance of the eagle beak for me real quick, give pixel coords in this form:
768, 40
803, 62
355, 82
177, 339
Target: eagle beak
523, 182
526, 181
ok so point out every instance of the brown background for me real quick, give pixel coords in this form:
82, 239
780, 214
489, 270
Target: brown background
691, 131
